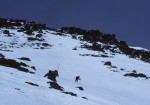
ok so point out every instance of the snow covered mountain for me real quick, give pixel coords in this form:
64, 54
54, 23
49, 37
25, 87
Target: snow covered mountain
112, 73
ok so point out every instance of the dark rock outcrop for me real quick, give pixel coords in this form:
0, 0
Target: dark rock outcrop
80, 88
25, 58
85, 98
33, 84
52, 75
56, 86
14, 64
136, 75
108, 63
71, 93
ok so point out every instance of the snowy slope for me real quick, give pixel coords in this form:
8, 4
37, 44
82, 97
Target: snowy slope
139, 48
101, 85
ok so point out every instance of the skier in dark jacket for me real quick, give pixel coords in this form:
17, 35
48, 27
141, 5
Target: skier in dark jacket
77, 78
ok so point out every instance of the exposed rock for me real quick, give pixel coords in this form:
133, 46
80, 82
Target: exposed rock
52, 75
134, 71
45, 44
80, 88
17, 88
85, 98
33, 67
136, 75
6, 32
35, 39
108, 63
75, 48
14, 64
105, 56
55, 85
25, 58
71, 93
2, 56
122, 69
114, 66
33, 84
114, 70
92, 55
38, 35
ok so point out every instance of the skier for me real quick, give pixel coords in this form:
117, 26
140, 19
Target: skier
77, 78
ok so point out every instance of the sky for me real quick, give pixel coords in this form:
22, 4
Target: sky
128, 19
